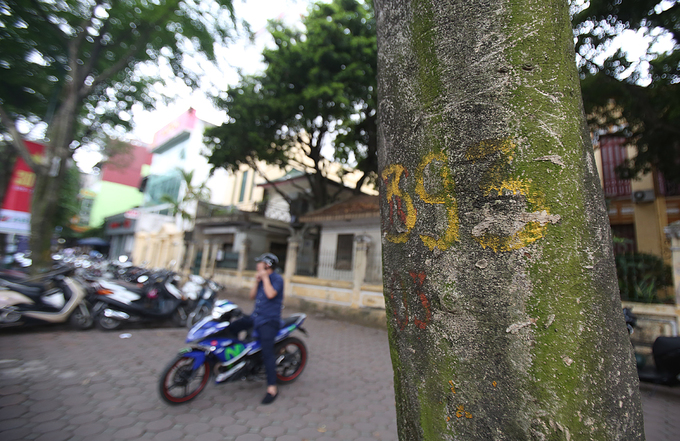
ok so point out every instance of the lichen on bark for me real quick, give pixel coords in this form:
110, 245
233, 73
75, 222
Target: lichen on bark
518, 311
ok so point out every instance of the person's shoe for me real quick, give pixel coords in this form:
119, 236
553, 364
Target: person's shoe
269, 398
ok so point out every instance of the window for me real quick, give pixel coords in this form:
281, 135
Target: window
667, 188
613, 152
343, 252
624, 239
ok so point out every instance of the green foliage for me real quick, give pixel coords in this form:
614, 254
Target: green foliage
193, 193
642, 276
613, 90
72, 236
76, 67
81, 56
318, 82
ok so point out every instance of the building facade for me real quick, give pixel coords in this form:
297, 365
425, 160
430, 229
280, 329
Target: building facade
639, 209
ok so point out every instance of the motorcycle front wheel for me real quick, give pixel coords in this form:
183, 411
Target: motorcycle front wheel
179, 317
180, 382
291, 359
81, 318
197, 316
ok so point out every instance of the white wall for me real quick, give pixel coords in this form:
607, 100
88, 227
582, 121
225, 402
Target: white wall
329, 240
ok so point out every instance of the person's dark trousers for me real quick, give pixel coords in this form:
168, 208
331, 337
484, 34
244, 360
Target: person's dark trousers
241, 324
267, 333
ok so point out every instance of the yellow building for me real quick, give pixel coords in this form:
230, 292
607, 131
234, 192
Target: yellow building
639, 209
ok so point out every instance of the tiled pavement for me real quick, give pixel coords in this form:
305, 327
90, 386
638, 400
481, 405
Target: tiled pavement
661, 407
65, 385
57, 385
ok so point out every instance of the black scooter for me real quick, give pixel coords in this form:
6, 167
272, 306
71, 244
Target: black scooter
155, 297
666, 355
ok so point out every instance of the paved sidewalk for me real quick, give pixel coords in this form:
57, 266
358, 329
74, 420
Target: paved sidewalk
57, 385
67, 385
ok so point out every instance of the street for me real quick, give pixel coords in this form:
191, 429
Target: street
57, 385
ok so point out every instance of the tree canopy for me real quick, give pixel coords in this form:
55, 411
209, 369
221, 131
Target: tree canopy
318, 89
73, 68
639, 98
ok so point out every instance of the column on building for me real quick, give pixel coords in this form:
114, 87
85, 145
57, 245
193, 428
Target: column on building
291, 263
673, 233
243, 258
162, 256
361, 244
204, 259
151, 251
140, 245
177, 247
213, 259
189, 257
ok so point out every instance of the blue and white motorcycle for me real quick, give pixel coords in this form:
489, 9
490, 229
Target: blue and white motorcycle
216, 350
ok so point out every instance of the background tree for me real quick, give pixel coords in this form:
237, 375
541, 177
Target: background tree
319, 82
71, 66
639, 97
504, 314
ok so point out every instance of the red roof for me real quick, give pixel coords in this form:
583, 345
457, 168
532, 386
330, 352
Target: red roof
356, 207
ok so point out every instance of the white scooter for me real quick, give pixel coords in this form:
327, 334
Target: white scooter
54, 298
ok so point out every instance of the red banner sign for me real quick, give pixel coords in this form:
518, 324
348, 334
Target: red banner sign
15, 215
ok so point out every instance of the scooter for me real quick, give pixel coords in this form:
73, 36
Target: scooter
216, 350
154, 297
54, 298
665, 353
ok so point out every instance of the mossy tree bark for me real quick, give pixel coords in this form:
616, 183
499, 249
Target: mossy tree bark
504, 315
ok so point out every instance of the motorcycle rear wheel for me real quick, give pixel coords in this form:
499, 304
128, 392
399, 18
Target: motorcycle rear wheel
107, 323
294, 353
180, 376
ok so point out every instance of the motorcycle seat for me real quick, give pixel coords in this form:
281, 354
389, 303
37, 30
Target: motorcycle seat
132, 287
31, 290
289, 321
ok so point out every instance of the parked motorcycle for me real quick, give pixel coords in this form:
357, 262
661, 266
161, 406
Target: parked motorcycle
216, 350
155, 297
665, 353
204, 299
54, 298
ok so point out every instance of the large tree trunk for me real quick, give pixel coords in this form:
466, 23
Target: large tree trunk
504, 313
6, 167
49, 179
44, 208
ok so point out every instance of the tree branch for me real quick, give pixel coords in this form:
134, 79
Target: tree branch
252, 164
94, 56
116, 67
141, 42
18, 142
